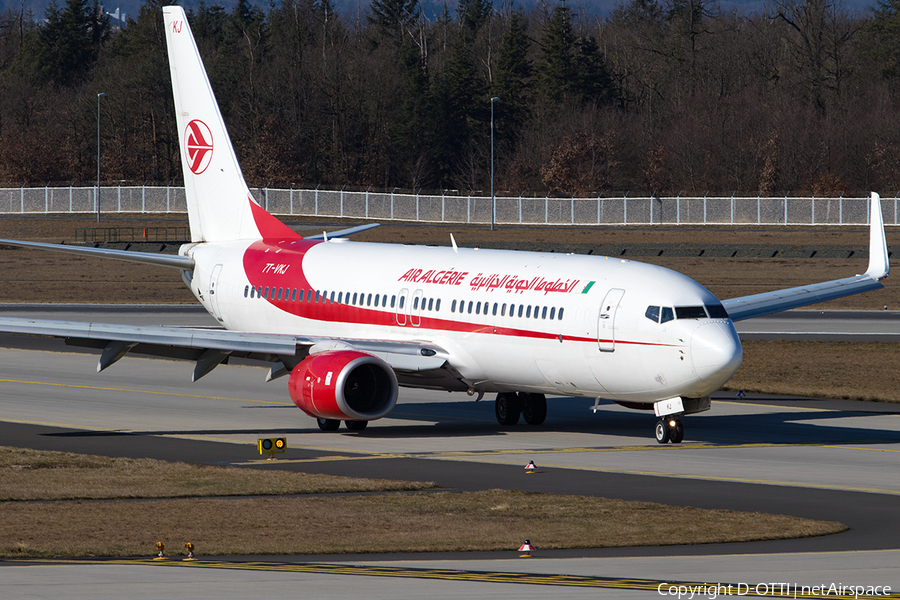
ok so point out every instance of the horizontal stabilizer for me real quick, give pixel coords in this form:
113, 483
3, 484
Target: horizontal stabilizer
344, 232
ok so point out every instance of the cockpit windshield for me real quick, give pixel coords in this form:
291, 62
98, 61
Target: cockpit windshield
663, 314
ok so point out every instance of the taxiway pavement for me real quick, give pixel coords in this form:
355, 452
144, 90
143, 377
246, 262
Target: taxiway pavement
824, 459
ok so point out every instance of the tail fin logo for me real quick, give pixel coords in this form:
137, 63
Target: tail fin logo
199, 146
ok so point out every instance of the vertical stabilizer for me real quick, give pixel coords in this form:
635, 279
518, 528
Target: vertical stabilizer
220, 207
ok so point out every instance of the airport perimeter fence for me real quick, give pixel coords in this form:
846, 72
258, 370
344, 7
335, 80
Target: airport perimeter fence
456, 208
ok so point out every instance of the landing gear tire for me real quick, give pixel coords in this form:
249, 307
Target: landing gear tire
507, 408
662, 432
534, 408
355, 425
328, 424
676, 433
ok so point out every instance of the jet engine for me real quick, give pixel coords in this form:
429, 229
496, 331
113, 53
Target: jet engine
344, 385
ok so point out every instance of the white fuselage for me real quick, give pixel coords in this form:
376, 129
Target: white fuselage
512, 321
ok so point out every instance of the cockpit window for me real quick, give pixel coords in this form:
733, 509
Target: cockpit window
690, 312
716, 311
667, 314
652, 313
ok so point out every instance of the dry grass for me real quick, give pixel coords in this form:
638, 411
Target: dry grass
492, 520
275, 524
40, 475
820, 369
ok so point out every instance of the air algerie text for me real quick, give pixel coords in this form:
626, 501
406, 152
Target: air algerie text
449, 277
490, 282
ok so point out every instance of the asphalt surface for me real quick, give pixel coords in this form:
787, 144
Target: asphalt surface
823, 459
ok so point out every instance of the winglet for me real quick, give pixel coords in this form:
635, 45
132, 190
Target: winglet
878, 253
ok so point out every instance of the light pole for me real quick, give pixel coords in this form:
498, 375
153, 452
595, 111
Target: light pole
101, 95
493, 199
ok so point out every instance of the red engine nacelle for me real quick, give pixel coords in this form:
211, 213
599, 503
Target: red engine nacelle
343, 384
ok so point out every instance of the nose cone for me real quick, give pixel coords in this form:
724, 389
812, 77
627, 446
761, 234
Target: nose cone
716, 352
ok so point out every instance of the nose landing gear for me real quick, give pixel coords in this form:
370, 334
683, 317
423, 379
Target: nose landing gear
669, 430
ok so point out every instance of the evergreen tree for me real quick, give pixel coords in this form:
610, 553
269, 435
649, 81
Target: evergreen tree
571, 67
512, 79
556, 68
392, 17
472, 14
70, 41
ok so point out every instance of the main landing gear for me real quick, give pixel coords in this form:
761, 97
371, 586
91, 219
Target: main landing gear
334, 424
669, 430
509, 405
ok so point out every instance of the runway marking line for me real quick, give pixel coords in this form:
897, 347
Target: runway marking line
111, 389
519, 578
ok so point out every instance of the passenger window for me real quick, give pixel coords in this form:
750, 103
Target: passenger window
393, 298
494, 312
536, 309
503, 310
377, 296
430, 303
470, 306
552, 312
246, 290
560, 314
652, 313
266, 293
318, 293
521, 307
354, 299
544, 313
453, 306
280, 290
369, 300
402, 301
666, 314
478, 308
527, 312
341, 298
294, 295
437, 305
253, 292
690, 312
259, 291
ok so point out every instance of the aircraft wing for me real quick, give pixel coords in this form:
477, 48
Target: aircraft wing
211, 347
147, 258
747, 307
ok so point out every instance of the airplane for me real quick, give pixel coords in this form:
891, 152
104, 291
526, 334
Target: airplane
349, 322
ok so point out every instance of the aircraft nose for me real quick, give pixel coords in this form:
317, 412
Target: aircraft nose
716, 352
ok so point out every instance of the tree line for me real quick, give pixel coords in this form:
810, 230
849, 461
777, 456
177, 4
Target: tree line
661, 96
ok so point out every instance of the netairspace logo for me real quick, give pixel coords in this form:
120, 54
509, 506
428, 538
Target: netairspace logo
771, 590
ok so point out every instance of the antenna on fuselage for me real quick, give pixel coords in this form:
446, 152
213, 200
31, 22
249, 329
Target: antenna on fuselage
453, 243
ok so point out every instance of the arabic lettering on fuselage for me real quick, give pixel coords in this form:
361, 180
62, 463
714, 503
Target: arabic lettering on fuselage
491, 282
